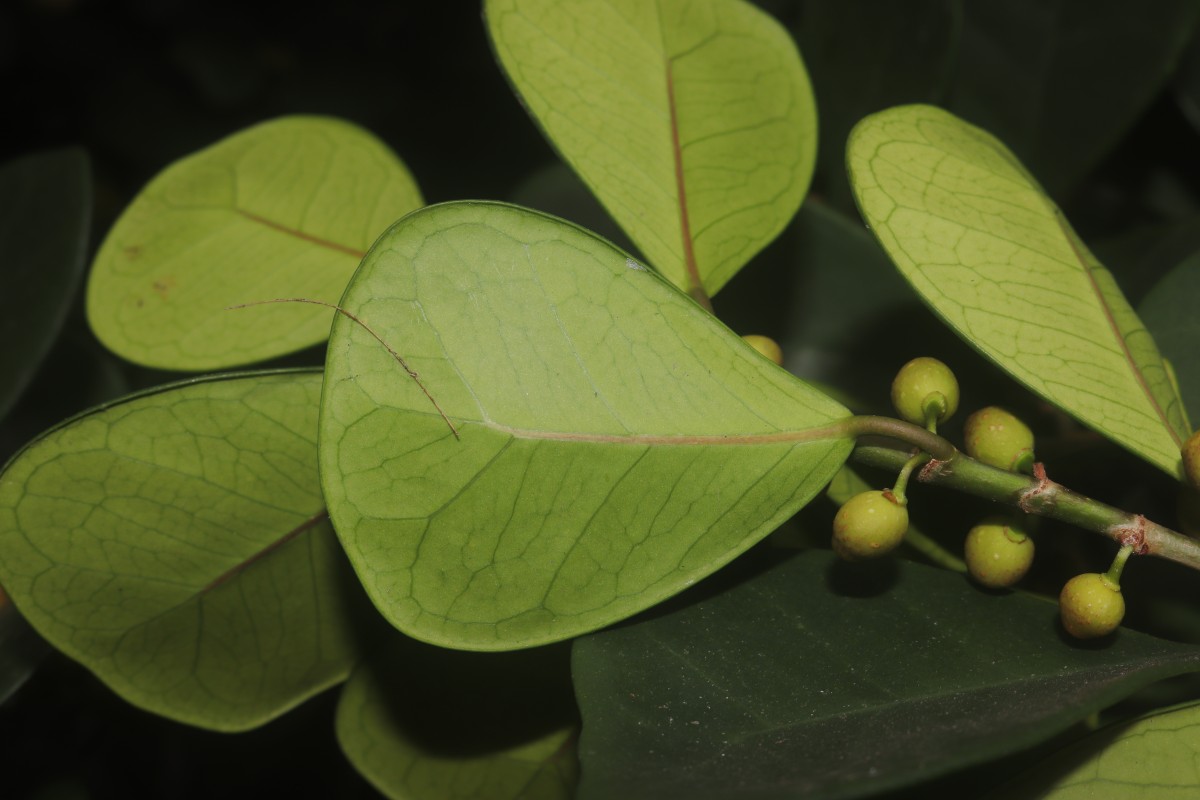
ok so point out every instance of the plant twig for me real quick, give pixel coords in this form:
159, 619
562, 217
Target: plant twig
1038, 495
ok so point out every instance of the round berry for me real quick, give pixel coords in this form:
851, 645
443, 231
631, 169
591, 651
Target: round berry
998, 552
996, 437
868, 525
766, 346
1191, 459
921, 384
1091, 605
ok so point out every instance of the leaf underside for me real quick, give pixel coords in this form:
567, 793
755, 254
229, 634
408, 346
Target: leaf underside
820, 679
991, 254
694, 123
1151, 758
617, 443
500, 726
283, 209
174, 543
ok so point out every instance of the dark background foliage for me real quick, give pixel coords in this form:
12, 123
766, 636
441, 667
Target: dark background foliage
141, 83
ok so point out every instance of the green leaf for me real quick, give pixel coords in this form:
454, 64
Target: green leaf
993, 256
815, 678
1061, 82
284, 209
694, 123
175, 543
1151, 758
425, 723
615, 443
45, 211
1170, 313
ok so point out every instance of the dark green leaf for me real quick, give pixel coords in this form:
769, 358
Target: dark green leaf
176, 544
865, 57
1172, 314
815, 678
45, 210
1060, 82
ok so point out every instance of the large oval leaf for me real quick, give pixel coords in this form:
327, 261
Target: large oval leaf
615, 443
45, 211
693, 122
425, 723
992, 255
814, 679
1151, 758
175, 543
284, 209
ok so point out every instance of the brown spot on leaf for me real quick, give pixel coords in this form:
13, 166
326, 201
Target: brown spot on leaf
163, 286
133, 251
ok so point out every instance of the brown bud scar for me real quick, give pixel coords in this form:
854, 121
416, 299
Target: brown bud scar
931, 470
1044, 486
1133, 535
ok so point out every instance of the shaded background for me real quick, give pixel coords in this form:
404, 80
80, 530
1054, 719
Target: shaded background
1104, 109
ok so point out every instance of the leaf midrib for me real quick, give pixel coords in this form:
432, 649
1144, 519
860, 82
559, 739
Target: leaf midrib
834, 430
1111, 319
299, 234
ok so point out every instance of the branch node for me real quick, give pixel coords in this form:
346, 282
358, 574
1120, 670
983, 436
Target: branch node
932, 469
1041, 494
1132, 535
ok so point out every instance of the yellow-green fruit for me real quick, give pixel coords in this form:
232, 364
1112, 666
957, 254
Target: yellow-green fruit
869, 525
998, 552
765, 345
996, 437
1091, 605
920, 383
1191, 459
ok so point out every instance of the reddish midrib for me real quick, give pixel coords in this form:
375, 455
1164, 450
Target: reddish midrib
237, 569
341, 248
835, 430
695, 285
1116, 331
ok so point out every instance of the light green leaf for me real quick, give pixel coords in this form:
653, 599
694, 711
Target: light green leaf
693, 122
617, 443
992, 255
175, 543
481, 726
45, 212
284, 209
1156, 757
812, 678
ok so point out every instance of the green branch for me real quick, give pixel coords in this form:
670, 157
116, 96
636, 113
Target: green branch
1037, 495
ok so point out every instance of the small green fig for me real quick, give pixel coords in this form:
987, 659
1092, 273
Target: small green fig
1091, 605
765, 345
921, 384
998, 552
998, 438
869, 525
